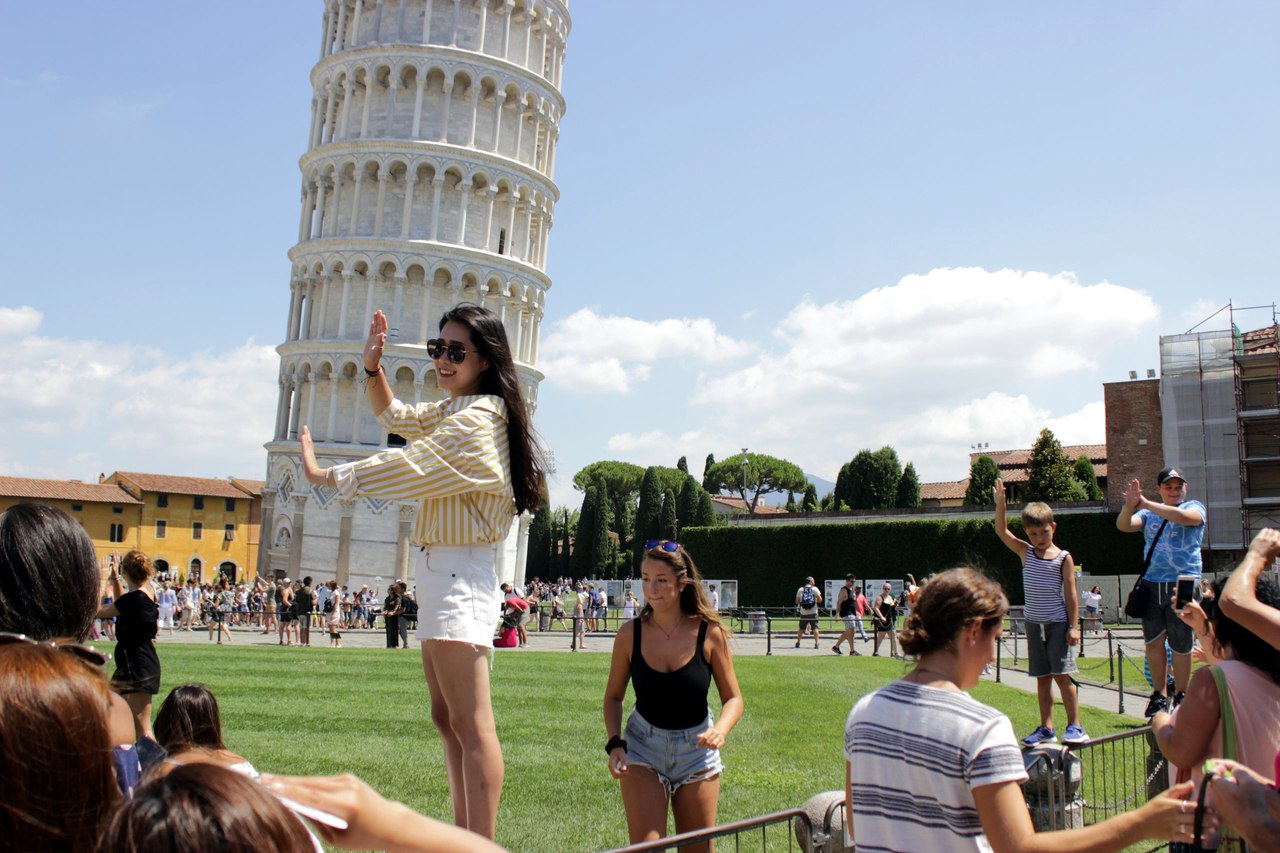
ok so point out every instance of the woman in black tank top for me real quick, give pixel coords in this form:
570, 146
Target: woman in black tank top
669, 756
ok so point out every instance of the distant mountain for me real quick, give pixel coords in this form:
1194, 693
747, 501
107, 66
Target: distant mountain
780, 498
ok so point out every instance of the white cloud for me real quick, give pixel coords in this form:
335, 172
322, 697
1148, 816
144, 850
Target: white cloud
929, 366
19, 322
607, 354
929, 333
73, 409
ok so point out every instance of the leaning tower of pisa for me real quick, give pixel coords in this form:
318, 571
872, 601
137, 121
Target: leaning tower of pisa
426, 181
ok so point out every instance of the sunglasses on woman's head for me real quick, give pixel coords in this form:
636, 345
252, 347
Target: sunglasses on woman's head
456, 352
665, 544
88, 654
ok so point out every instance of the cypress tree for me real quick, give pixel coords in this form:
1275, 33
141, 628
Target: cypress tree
683, 464
1087, 478
1049, 475
708, 483
908, 488
667, 517
983, 474
648, 512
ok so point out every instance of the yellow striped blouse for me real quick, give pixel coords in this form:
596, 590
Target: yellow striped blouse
457, 464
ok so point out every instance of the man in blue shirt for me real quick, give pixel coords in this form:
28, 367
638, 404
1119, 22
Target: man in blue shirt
1177, 552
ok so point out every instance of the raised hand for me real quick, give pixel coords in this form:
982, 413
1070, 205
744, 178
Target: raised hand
1133, 494
377, 341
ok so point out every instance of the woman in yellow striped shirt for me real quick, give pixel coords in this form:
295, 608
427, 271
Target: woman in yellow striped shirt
472, 465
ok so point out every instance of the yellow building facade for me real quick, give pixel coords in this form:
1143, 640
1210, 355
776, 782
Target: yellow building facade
110, 515
196, 527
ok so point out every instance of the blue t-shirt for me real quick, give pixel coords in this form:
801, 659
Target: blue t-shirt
1178, 551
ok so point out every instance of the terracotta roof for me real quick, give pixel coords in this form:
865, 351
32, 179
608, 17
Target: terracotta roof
1014, 458
1259, 341
252, 487
67, 490
737, 503
943, 491
180, 485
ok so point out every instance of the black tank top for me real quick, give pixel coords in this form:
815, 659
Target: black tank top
848, 606
677, 699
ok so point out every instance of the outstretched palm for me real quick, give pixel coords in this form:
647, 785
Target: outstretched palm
377, 340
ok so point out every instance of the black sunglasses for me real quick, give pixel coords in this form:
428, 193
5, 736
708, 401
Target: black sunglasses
665, 544
88, 654
456, 352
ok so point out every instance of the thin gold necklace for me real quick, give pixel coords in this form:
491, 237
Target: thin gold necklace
653, 620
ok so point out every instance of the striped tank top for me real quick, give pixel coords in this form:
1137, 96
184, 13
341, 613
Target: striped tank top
1042, 587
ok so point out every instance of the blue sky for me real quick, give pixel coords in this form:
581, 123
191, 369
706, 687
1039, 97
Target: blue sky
803, 232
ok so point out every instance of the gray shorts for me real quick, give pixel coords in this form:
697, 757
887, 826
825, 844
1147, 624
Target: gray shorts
1160, 618
1047, 650
851, 622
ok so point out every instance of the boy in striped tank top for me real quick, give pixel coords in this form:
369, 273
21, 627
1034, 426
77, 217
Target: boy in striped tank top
1051, 615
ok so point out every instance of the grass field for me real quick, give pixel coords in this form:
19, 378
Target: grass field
364, 710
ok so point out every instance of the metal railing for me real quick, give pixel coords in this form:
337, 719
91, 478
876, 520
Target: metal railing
786, 830
1114, 774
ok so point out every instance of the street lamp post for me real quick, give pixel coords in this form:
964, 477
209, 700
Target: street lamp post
744, 481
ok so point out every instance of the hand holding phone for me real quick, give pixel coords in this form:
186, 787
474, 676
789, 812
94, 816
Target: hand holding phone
1185, 592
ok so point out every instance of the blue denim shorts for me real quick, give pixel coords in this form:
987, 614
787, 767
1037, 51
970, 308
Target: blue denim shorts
673, 754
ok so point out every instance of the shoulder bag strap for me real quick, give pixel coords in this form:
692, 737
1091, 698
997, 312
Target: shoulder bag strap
1146, 563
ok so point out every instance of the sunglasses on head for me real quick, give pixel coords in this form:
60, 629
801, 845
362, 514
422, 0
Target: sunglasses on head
88, 654
456, 352
665, 544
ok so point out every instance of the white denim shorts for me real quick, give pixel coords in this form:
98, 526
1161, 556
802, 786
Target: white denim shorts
458, 594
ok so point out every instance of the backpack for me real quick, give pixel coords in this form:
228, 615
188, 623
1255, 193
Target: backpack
809, 597
328, 604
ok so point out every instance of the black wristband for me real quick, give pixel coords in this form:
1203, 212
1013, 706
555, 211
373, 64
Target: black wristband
615, 742
373, 372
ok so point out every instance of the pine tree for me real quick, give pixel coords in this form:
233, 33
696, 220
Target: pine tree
983, 474
539, 563
687, 506
706, 509
1049, 473
667, 517
584, 557
908, 488
566, 549
648, 512
1087, 478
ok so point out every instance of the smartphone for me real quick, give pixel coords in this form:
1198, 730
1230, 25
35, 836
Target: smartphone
1186, 591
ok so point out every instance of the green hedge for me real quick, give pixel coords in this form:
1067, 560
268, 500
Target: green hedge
770, 562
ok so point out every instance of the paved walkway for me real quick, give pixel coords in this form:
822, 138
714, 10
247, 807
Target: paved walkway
1011, 671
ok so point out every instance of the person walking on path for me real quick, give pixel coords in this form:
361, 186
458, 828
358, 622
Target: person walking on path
1172, 530
808, 599
1051, 615
884, 618
847, 610
472, 462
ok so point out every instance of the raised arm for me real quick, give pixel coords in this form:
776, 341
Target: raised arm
1239, 598
378, 388
1132, 500
1013, 543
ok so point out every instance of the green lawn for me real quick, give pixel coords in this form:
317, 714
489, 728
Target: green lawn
364, 710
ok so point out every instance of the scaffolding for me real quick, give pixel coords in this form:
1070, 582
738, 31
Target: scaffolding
1198, 404
1258, 407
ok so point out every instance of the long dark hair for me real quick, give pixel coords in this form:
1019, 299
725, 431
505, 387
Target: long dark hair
189, 717
49, 575
58, 786
490, 339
